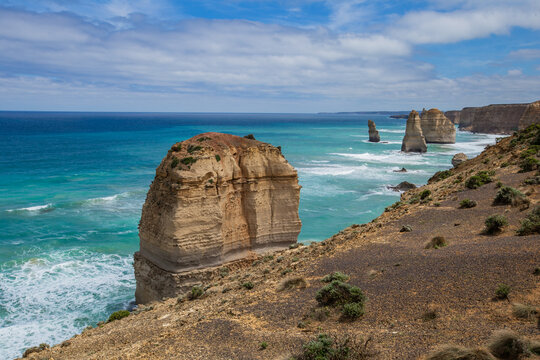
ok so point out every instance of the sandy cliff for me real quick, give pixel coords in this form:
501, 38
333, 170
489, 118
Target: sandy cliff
414, 140
453, 116
437, 128
216, 198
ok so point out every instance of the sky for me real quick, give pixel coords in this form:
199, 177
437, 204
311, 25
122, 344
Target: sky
267, 56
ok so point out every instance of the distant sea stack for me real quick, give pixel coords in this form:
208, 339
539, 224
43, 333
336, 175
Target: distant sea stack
436, 127
373, 132
216, 198
499, 119
414, 140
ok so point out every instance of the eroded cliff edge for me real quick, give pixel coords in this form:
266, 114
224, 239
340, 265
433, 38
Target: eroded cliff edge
216, 198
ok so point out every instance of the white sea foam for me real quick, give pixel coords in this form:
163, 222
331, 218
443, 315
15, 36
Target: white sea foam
401, 131
52, 296
394, 157
37, 208
380, 191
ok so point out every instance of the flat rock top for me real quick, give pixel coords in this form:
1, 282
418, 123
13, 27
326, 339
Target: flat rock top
216, 140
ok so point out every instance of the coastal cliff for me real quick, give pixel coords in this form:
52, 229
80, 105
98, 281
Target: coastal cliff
437, 128
500, 118
373, 132
454, 116
216, 198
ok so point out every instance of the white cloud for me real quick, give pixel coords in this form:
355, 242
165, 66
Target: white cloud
515, 72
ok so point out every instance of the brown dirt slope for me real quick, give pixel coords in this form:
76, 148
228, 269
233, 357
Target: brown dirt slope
418, 298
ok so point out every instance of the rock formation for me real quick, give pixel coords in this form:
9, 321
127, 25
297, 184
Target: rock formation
499, 119
458, 159
436, 127
216, 198
403, 186
373, 133
453, 116
414, 140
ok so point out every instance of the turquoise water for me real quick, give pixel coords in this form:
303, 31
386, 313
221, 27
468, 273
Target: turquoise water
72, 186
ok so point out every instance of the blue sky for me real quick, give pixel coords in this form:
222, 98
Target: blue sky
267, 56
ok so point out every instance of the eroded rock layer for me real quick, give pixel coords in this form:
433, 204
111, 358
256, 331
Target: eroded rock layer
216, 198
414, 140
436, 127
453, 115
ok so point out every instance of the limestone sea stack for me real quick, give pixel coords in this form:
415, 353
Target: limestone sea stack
437, 128
458, 159
414, 140
216, 198
373, 132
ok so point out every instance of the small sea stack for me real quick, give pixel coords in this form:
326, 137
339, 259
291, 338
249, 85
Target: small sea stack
437, 128
458, 159
373, 132
216, 198
414, 140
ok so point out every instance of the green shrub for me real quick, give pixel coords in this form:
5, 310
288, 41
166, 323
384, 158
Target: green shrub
481, 178
191, 148
440, 175
502, 291
196, 292
528, 164
204, 138
333, 348
218, 158
467, 204
188, 161
263, 345
335, 276
174, 162
248, 285
505, 164
339, 293
532, 181
177, 147
352, 311
509, 196
117, 315
436, 243
424, 194
531, 224
494, 224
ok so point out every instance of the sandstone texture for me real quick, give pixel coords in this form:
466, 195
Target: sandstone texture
403, 186
453, 115
414, 140
458, 159
437, 128
216, 198
499, 119
373, 133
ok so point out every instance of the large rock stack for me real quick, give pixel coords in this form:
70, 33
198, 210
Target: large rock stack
373, 133
414, 140
437, 128
216, 198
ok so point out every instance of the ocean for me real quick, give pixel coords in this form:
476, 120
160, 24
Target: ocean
72, 186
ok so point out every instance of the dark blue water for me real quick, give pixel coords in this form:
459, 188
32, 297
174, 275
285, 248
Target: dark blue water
72, 186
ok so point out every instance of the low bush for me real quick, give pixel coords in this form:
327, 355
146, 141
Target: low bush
177, 147
440, 175
117, 315
249, 136
352, 311
204, 138
436, 243
34, 349
196, 292
528, 164
263, 345
523, 311
481, 178
451, 352
531, 224
424, 194
339, 293
218, 158
174, 162
335, 276
334, 348
532, 181
248, 285
495, 224
291, 283
191, 148
405, 228
505, 344
509, 196
502, 291
429, 315
188, 161
467, 204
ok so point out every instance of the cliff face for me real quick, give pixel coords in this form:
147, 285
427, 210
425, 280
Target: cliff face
453, 116
216, 198
414, 140
499, 119
436, 127
373, 133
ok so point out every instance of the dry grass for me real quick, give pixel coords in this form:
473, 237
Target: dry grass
505, 344
523, 311
436, 242
451, 352
291, 283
